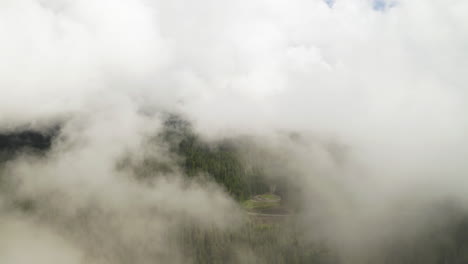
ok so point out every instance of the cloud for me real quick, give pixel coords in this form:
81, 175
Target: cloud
391, 85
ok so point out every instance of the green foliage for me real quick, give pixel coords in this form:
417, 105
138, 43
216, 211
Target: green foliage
218, 159
253, 243
259, 205
269, 196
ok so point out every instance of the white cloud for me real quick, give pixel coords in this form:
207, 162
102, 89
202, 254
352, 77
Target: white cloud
391, 84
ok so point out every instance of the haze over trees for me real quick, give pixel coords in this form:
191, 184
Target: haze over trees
247, 131
271, 229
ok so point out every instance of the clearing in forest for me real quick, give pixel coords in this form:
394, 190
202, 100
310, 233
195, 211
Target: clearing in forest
267, 205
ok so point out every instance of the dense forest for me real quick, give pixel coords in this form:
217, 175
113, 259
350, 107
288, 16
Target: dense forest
220, 160
260, 240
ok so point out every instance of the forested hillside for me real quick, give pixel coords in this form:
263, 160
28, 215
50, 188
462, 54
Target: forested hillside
260, 238
220, 160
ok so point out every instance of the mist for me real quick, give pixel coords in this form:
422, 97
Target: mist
358, 106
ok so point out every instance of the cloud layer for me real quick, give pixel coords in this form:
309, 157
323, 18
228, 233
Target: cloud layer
387, 82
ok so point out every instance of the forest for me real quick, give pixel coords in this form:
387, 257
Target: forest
262, 238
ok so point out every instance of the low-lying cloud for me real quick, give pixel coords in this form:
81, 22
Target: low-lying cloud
387, 85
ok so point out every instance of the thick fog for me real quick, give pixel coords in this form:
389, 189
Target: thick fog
385, 81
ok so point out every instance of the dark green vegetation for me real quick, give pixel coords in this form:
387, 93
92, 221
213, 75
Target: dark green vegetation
25, 139
217, 160
255, 242
280, 240
260, 239
13, 143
